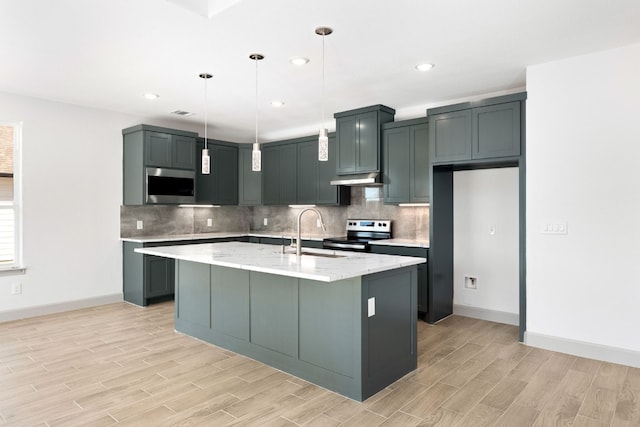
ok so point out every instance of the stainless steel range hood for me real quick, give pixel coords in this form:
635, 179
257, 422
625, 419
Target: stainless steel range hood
370, 179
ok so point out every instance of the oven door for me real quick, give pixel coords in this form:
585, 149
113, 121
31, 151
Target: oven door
346, 245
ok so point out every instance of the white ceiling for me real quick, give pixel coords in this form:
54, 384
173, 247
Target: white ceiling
107, 53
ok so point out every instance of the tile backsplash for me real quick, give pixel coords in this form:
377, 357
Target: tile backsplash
366, 202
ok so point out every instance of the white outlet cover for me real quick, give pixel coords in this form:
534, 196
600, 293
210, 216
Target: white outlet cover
209, 222
371, 307
265, 221
139, 225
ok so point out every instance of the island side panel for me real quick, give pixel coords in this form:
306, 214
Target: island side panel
193, 299
317, 331
274, 312
230, 303
389, 336
330, 342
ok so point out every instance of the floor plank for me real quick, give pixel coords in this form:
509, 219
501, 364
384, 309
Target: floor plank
119, 364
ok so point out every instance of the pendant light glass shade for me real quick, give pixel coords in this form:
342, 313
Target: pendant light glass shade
323, 139
323, 146
256, 154
206, 160
256, 158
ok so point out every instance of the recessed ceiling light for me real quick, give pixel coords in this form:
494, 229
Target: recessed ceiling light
277, 103
299, 60
424, 67
151, 96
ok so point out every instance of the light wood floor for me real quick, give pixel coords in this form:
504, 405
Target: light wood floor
120, 364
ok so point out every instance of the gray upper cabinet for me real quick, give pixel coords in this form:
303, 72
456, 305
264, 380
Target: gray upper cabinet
358, 138
220, 186
307, 191
314, 176
166, 150
496, 131
279, 174
451, 136
151, 146
406, 161
481, 131
249, 181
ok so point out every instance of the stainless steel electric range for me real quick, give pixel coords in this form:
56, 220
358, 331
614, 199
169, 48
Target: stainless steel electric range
359, 233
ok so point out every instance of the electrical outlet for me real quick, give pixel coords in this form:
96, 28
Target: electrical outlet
16, 288
139, 225
265, 222
209, 222
470, 282
371, 307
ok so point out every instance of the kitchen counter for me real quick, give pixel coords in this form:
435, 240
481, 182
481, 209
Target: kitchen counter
222, 235
402, 242
347, 324
317, 264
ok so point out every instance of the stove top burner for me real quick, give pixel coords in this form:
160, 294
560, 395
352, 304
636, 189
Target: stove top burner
359, 233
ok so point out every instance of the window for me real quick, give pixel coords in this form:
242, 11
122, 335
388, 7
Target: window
10, 236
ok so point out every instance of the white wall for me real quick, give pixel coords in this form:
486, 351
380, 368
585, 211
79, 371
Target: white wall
485, 201
583, 154
72, 191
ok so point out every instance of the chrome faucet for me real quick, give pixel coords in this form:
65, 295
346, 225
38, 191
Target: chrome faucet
298, 241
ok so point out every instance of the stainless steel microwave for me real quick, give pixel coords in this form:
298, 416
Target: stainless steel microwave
170, 186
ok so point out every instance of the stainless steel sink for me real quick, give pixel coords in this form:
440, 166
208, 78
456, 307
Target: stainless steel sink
306, 253
322, 255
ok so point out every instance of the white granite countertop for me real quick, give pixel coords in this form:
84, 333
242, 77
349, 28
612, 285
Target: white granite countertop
268, 259
220, 235
402, 242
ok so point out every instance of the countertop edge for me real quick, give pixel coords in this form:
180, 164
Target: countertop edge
401, 261
276, 235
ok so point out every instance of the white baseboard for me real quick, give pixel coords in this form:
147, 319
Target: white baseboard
584, 349
487, 314
40, 310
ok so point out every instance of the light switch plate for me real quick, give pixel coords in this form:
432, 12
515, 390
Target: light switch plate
557, 227
371, 310
209, 222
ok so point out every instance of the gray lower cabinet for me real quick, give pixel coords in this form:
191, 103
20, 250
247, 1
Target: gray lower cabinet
159, 276
148, 278
279, 174
318, 331
249, 181
423, 272
145, 277
220, 186
480, 133
406, 161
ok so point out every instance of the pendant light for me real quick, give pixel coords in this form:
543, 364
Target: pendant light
323, 137
206, 160
256, 154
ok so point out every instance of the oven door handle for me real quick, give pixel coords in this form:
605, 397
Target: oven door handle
345, 245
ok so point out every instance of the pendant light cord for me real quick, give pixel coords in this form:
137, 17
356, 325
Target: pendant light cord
206, 111
256, 60
323, 36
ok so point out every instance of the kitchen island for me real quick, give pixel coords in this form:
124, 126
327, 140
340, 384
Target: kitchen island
342, 320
